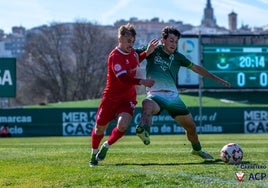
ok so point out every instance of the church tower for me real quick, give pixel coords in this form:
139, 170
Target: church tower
208, 18
232, 18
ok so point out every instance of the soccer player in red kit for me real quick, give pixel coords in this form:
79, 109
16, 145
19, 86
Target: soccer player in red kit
119, 95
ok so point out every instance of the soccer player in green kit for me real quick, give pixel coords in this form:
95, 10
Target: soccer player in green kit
163, 66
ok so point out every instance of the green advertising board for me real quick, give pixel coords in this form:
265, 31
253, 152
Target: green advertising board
80, 121
7, 77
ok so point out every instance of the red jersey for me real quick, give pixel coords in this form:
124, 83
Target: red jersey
121, 63
119, 95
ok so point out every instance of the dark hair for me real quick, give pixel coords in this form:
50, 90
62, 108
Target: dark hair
127, 29
170, 30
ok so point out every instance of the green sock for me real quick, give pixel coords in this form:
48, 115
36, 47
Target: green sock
197, 146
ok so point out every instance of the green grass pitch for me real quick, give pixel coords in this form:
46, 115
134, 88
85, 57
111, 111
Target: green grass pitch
166, 162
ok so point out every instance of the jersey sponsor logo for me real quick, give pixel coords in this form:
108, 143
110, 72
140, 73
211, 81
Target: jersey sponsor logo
117, 67
163, 64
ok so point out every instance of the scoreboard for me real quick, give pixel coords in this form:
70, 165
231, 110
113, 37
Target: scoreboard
243, 66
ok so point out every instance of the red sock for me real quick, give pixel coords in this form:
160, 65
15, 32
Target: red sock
95, 139
115, 135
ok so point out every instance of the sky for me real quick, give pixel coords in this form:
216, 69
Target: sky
34, 13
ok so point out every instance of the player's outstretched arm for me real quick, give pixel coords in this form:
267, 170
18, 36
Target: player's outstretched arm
202, 71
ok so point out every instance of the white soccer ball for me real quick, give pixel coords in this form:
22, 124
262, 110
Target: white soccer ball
231, 153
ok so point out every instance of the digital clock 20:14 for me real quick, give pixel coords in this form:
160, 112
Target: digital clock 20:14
252, 61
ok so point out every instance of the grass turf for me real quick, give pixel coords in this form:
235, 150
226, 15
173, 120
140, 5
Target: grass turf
166, 162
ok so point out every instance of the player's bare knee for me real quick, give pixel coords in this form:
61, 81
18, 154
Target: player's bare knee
149, 106
122, 127
146, 103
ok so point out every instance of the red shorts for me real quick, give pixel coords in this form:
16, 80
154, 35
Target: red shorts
109, 110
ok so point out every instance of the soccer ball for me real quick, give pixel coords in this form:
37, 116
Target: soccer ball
231, 153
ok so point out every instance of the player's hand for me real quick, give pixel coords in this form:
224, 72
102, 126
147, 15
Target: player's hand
224, 82
147, 82
151, 46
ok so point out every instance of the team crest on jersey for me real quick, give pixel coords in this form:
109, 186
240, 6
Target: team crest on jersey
117, 67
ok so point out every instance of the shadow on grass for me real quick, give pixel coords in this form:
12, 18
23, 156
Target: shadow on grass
216, 161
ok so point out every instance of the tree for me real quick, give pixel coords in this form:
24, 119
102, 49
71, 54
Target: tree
64, 62
91, 46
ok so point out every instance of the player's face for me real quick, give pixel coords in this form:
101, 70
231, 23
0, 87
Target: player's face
126, 43
170, 44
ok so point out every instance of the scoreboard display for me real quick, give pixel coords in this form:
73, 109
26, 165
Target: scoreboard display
243, 66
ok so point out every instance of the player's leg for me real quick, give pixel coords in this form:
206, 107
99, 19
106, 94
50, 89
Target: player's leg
96, 136
149, 107
106, 113
118, 132
125, 112
123, 122
187, 122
